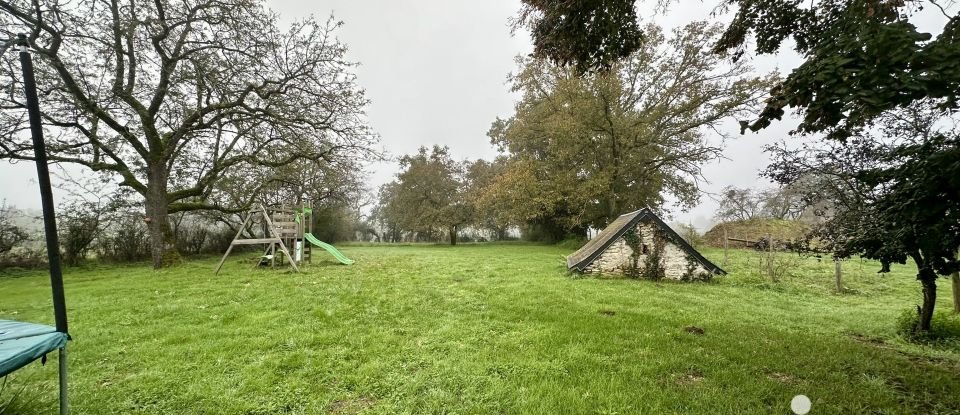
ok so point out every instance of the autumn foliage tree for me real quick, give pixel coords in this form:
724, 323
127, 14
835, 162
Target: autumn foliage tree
584, 149
586, 35
488, 213
170, 96
428, 196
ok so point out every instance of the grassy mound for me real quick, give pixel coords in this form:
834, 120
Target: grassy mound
753, 230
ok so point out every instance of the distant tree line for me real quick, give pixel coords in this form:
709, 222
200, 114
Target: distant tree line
789, 202
583, 148
99, 221
435, 198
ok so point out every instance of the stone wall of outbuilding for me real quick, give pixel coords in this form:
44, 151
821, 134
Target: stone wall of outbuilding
617, 257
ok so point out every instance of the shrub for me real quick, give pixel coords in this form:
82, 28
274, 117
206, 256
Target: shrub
192, 237
784, 265
572, 243
24, 257
218, 240
11, 235
944, 328
128, 243
79, 226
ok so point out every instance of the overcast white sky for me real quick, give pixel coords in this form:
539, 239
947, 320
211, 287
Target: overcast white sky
436, 71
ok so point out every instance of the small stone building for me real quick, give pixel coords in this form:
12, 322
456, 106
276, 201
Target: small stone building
640, 244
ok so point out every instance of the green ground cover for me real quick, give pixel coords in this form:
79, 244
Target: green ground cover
480, 329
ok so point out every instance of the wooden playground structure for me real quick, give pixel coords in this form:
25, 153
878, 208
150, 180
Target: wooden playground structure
287, 233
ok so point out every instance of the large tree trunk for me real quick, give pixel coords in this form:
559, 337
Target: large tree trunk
453, 235
956, 291
502, 233
162, 242
928, 279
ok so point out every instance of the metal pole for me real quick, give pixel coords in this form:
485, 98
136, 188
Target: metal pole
64, 407
46, 193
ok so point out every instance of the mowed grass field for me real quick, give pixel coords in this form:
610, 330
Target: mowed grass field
480, 329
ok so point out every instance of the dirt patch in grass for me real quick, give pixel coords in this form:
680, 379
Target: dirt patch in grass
876, 341
690, 377
913, 357
780, 377
694, 330
608, 313
350, 406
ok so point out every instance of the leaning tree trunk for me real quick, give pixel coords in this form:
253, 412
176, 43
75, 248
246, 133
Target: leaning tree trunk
162, 242
928, 279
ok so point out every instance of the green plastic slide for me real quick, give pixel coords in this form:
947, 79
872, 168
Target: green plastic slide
329, 248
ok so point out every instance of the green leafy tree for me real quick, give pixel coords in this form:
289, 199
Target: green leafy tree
585, 149
891, 193
584, 34
428, 196
867, 64
488, 213
386, 214
861, 58
169, 97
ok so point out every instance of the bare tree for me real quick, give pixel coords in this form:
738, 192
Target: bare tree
739, 204
170, 96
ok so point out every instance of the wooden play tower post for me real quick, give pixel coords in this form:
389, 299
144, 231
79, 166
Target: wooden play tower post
306, 226
284, 230
279, 229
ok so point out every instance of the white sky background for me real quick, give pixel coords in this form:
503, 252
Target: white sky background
436, 73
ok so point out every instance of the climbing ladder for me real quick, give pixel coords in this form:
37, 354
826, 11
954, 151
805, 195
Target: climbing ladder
285, 228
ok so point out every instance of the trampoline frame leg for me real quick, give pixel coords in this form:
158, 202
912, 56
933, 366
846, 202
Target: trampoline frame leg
64, 408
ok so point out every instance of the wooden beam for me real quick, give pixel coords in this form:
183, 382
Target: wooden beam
239, 231
256, 241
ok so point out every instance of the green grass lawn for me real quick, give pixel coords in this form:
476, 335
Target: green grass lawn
480, 329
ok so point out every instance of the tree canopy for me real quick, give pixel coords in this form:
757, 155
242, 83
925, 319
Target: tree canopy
428, 195
584, 149
584, 34
861, 58
172, 96
892, 193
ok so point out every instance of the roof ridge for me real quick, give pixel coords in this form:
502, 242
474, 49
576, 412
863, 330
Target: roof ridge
635, 212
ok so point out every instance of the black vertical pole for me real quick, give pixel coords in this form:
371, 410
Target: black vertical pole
46, 193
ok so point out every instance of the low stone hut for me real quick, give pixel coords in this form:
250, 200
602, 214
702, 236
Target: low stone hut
640, 244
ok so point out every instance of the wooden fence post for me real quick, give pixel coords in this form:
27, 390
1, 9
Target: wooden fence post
838, 274
773, 277
725, 242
